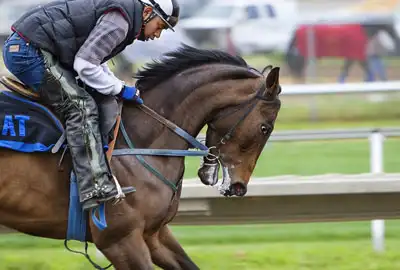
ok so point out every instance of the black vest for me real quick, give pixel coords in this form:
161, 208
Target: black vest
61, 27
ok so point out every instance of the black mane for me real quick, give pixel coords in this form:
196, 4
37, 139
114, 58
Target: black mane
183, 58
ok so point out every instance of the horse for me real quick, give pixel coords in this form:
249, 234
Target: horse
191, 88
346, 41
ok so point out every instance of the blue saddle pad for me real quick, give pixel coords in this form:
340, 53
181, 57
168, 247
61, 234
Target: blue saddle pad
27, 126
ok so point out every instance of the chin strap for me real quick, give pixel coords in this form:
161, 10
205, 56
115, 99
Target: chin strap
141, 36
152, 15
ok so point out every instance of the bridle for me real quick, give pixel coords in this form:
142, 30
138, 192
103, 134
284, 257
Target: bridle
260, 96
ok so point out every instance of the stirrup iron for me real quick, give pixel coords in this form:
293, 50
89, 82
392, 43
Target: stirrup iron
120, 194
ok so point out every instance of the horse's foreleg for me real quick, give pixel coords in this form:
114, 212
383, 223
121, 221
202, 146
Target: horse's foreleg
168, 253
161, 255
130, 252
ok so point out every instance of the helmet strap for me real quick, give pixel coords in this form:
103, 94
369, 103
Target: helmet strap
152, 15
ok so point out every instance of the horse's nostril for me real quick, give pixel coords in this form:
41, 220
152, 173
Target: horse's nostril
238, 189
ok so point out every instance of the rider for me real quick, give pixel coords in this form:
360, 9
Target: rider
57, 46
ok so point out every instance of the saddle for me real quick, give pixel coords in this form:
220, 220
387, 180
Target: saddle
18, 87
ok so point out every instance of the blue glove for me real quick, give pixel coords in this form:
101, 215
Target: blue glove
131, 93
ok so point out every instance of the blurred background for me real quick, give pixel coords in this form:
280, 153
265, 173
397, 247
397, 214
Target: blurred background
328, 181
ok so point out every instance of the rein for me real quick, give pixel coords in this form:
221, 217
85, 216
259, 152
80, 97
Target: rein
138, 152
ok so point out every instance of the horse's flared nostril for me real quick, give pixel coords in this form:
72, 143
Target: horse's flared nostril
238, 189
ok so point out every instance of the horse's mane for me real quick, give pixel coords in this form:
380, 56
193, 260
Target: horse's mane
179, 60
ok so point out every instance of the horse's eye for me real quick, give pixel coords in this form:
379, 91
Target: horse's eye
265, 129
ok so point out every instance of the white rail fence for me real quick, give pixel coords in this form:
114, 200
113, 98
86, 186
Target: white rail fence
345, 88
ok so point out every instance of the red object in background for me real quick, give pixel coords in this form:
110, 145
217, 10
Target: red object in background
344, 41
230, 47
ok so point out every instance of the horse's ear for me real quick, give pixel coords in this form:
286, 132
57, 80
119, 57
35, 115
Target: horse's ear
272, 82
273, 78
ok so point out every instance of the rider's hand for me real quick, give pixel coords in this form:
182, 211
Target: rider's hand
131, 93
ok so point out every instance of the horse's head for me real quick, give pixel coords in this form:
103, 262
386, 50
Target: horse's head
237, 135
193, 87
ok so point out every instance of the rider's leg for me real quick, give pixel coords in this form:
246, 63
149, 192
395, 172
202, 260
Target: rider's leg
81, 117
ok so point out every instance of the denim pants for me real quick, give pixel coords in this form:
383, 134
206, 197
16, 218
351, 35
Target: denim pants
377, 67
24, 61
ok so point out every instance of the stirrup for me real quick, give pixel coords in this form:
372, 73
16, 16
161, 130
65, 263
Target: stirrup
120, 194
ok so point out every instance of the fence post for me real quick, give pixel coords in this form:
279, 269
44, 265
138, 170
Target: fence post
376, 164
311, 74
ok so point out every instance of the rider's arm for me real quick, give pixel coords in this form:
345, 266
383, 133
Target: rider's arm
107, 70
110, 31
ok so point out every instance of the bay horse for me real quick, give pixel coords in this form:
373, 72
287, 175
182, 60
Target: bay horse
189, 87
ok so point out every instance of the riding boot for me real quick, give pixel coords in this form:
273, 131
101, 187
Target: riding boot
80, 114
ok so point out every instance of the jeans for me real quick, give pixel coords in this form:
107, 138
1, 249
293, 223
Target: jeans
377, 67
24, 61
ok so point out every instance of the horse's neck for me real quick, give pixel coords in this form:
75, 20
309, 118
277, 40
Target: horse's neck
189, 109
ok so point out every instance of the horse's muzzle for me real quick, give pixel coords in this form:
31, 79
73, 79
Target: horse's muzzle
236, 189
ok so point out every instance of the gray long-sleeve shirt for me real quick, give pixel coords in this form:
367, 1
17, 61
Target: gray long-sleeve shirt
110, 30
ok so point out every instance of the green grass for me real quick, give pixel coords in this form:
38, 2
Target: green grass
297, 256
337, 255
282, 233
312, 246
236, 234
316, 157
